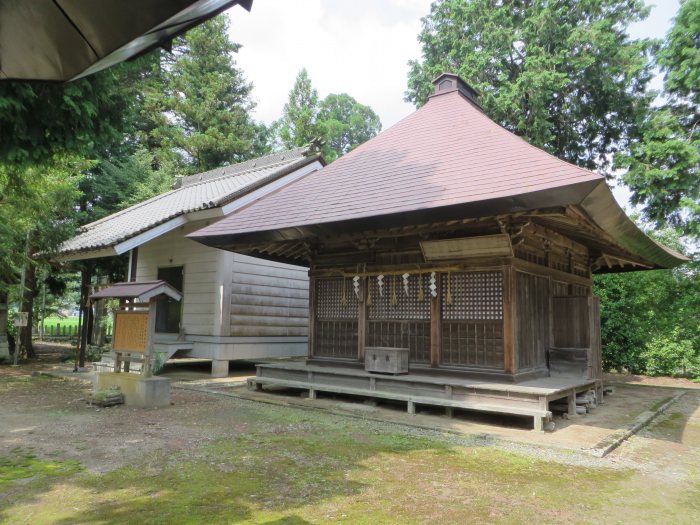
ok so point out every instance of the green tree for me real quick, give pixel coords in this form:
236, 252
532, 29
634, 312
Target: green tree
344, 124
298, 123
41, 121
649, 319
663, 164
564, 75
339, 122
208, 99
35, 219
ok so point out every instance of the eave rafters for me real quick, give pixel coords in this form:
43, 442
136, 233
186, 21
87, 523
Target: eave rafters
567, 227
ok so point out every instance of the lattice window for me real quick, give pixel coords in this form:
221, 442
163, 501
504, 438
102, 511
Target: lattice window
472, 295
335, 338
394, 303
335, 299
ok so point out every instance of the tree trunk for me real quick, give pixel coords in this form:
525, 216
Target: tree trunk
85, 280
28, 295
4, 346
99, 328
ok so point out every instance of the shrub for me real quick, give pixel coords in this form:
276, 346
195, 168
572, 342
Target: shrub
671, 355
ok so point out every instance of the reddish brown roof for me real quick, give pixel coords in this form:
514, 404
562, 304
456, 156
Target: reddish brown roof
448, 156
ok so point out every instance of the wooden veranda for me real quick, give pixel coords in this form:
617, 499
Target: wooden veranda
529, 398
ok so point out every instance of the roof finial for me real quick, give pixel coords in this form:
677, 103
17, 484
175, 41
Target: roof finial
449, 82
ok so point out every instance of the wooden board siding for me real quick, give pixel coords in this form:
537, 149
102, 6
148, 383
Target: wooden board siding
576, 325
202, 308
570, 322
563, 288
267, 298
532, 327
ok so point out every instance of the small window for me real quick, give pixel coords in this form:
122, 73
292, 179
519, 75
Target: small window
169, 311
445, 84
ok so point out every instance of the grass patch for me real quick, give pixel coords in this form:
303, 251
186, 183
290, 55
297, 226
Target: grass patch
303, 472
23, 466
281, 465
53, 321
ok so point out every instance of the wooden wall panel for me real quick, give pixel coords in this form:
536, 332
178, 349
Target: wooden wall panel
472, 344
268, 297
335, 338
532, 326
414, 335
571, 322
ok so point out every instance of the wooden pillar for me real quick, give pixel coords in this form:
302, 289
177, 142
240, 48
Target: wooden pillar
312, 315
362, 320
133, 263
148, 358
571, 404
436, 323
509, 321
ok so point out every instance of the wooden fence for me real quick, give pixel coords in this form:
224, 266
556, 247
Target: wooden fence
64, 332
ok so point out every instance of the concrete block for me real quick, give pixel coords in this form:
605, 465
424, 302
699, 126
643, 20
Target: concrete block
139, 391
219, 368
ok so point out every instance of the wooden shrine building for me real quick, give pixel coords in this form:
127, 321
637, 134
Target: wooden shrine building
452, 244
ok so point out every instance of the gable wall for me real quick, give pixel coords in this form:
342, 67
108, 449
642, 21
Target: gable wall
202, 312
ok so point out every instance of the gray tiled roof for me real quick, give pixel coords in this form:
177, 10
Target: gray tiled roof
203, 191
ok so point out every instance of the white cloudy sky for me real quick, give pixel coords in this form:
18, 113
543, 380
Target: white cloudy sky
360, 47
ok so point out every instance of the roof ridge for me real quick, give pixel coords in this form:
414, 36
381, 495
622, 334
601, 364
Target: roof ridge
240, 167
301, 149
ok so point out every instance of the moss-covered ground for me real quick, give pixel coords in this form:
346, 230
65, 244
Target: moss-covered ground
267, 464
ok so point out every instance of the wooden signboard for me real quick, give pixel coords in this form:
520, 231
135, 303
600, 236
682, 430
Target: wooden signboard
22, 319
130, 331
